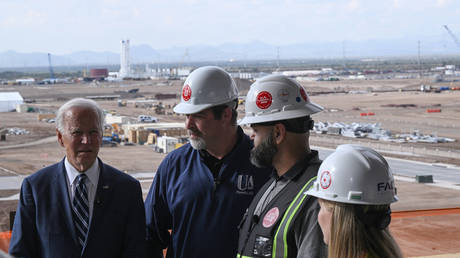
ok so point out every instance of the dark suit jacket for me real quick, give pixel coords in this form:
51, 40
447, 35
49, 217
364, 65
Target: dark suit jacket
43, 225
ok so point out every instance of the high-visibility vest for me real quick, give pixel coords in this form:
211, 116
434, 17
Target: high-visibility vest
265, 235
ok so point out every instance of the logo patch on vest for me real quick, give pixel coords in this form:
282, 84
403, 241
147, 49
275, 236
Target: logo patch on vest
271, 217
245, 184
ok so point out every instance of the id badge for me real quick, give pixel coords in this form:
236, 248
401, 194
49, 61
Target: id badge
263, 246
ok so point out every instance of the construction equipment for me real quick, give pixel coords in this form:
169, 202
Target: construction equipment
122, 103
240, 100
115, 128
52, 79
110, 140
110, 136
452, 35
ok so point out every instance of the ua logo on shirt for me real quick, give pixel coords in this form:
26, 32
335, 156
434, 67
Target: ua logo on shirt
245, 184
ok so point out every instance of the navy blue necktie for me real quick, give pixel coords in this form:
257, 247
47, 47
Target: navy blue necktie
81, 209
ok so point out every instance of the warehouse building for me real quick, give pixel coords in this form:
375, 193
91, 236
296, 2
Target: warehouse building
9, 100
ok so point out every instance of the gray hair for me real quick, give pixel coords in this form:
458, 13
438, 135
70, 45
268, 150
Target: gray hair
79, 102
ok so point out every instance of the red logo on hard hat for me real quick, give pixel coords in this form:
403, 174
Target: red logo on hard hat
186, 92
303, 94
271, 217
264, 99
325, 179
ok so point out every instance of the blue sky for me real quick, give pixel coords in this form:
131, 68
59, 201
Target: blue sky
65, 26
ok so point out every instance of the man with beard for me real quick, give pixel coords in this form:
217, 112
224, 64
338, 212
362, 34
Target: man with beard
282, 220
201, 190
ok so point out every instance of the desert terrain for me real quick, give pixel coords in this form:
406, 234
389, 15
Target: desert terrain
21, 155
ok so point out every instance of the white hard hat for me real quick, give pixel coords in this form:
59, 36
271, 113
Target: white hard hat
206, 87
276, 97
355, 174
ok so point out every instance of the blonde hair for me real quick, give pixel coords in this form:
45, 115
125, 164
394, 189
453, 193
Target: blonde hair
351, 238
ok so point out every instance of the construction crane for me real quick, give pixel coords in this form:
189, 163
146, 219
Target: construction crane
452, 35
51, 68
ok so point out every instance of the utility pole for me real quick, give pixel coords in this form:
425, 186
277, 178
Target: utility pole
419, 63
50, 67
278, 58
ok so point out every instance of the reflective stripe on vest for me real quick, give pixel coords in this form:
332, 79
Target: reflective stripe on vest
283, 228
243, 256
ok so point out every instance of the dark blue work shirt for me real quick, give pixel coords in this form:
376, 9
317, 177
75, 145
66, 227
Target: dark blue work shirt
203, 213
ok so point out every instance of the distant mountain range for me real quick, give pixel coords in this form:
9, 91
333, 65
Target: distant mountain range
237, 52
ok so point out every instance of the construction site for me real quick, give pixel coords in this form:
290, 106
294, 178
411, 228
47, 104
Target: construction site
409, 113
393, 116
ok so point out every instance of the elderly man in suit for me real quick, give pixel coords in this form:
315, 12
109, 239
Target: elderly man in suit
80, 206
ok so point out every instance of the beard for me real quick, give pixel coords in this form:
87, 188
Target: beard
197, 143
262, 155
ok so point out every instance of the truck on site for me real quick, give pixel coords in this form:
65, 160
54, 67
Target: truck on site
147, 119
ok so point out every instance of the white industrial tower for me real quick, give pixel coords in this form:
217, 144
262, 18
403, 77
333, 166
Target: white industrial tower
124, 59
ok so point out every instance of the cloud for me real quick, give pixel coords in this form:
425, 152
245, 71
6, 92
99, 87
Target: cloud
110, 12
442, 3
353, 5
112, 2
136, 12
31, 18
99, 24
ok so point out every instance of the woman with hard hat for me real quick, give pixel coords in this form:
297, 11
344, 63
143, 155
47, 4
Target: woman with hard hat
355, 188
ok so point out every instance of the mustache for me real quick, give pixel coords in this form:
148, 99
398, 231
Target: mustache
194, 131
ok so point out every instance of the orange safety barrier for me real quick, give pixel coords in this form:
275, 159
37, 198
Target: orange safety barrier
371, 114
433, 110
5, 238
363, 114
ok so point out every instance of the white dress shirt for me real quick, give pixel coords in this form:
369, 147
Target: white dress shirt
91, 184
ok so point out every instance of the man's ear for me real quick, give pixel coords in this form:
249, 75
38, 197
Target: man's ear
59, 136
279, 131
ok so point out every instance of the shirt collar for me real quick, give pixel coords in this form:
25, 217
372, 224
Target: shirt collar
298, 167
92, 173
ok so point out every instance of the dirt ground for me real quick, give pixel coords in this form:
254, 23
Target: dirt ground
428, 235
339, 107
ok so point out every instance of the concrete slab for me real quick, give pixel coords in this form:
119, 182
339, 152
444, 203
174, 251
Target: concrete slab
417, 196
